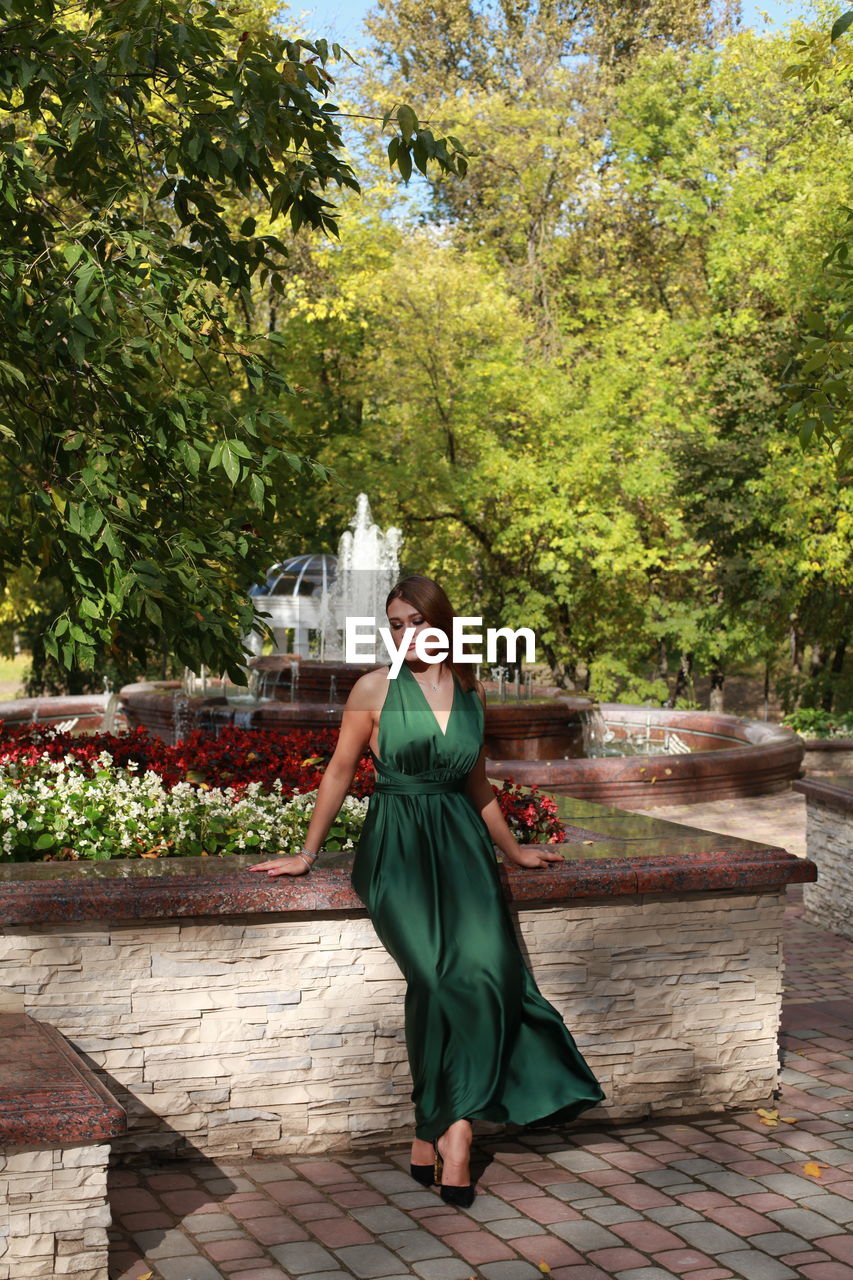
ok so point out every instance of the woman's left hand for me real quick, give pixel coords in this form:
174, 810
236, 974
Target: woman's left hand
532, 858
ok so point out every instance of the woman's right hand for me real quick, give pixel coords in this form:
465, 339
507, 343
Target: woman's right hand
282, 867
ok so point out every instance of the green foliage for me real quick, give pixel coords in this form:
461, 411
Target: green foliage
814, 722
140, 419
819, 382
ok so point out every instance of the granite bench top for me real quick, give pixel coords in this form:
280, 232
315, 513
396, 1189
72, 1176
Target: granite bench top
608, 853
48, 1096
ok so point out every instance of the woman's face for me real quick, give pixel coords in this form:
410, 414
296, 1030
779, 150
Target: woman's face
401, 615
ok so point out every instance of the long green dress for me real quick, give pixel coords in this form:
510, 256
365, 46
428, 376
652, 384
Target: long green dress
482, 1041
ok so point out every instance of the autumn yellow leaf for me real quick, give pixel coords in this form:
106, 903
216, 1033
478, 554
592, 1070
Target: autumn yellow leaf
789, 1119
768, 1115
813, 1169
544, 1268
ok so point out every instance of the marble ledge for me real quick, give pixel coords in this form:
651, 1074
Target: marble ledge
48, 1096
39, 893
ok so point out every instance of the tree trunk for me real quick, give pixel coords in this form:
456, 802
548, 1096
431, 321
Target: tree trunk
682, 680
795, 640
836, 668
715, 700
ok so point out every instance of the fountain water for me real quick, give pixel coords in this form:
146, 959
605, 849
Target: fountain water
368, 567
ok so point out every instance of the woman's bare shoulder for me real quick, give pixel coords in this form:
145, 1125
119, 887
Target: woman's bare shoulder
369, 690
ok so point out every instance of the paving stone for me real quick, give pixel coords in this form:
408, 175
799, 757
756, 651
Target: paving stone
510, 1271
697, 1166
585, 1236
778, 1242
415, 1245
681, 1260
368, 1261
413, 1199
509, 1228
731, 1184
278, 1230
196, 1268
645, 1273
756, 1266
199, 1222
804, 1222
614, 1260
478, 1247
490, 1208
665, 1178
571, 1192
382, 1218
389, 1181
578, 1161
609, 1213
335, 1233
305, 1257
651, 1237
234, 1249
443, 1269
171, 1244
837, 1208
707, 1237
315, 1275
788, 1184
135, 1222
667, 1215
547, 1249
841, 1247
268, 1170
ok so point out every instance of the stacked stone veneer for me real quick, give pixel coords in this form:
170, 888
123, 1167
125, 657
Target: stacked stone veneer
54, 1215
285, 1033
829, 835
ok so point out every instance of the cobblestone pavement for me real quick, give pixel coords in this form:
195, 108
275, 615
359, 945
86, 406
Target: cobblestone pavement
721, 1196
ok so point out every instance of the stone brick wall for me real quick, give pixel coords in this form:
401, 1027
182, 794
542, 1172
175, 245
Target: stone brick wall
829, 836
54, 1213
285, 1033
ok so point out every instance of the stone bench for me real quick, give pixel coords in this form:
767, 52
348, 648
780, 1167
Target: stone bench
829, 838
233, 1013
56, 1120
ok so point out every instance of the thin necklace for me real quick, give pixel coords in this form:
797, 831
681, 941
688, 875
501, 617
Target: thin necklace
432, 686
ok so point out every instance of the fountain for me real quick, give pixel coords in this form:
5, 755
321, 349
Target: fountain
640, 756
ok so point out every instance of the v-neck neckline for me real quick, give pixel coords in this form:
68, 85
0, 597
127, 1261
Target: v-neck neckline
426, 700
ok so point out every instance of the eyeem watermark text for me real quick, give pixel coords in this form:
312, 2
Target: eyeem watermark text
433, 645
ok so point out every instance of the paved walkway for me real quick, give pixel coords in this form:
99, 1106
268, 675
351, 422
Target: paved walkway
725, 1196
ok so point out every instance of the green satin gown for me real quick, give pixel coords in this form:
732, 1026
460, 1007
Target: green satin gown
482, 1041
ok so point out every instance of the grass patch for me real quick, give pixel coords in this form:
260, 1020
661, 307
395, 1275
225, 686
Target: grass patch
13, 670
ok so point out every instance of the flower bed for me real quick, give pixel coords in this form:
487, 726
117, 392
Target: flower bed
130, 795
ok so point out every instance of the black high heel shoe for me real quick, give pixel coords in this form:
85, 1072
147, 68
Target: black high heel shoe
423, 1173
459, 1197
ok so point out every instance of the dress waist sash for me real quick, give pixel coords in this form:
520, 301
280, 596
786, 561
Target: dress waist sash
403, 786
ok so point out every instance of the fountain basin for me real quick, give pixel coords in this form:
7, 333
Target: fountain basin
728, 757
84, 713
541, 743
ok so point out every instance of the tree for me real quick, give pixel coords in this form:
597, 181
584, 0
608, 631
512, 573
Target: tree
138, 418
820, 387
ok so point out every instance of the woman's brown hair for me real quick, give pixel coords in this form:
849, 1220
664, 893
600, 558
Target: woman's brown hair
431, 601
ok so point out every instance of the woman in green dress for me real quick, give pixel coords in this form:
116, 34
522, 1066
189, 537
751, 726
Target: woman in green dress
483, 1043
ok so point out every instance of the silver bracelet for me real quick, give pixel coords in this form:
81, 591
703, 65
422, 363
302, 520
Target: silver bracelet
307, 857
